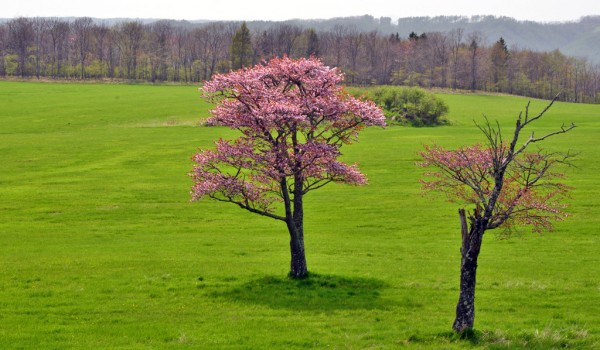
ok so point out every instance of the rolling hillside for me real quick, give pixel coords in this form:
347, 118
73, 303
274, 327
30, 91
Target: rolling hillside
581, 38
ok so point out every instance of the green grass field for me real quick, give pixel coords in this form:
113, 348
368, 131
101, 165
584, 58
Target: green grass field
100, 247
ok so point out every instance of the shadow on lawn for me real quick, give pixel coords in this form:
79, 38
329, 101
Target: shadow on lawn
317, 292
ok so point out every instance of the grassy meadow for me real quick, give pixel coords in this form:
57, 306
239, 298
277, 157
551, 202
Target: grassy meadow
100, 247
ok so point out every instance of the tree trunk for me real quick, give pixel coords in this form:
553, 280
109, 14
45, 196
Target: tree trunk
298, 268
471, 245
294, 218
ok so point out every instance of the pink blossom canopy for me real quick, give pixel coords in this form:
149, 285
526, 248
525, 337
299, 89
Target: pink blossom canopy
294, 117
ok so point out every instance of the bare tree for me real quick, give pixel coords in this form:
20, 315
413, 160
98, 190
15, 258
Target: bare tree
210, 46
286, 37
100, 34
373, 53
58, 30
217, 41
438, 58
3, 48
352, 45
389, 49
130, 40
455, 36
189, 55
335, 43
20, 38
39, 32
414, 63
82, 28
161, 33
178, 54
112, 51
265, 45
475, 40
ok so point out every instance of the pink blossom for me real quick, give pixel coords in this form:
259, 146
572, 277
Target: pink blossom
294, 117
529, 195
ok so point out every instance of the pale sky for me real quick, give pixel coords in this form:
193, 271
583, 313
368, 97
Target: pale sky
535, 10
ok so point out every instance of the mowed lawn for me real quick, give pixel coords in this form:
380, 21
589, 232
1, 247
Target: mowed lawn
100, 246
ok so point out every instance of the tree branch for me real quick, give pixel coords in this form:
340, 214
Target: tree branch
248, 207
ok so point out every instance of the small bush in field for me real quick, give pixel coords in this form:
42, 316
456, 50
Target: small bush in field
409, 105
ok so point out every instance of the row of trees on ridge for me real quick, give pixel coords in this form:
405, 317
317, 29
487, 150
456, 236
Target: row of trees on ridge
172, 51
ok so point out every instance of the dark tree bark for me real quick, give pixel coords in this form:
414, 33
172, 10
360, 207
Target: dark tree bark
294, 219
471, 245
298, 267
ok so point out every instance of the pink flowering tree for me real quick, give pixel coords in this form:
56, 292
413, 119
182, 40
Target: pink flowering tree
293, 117
505, 186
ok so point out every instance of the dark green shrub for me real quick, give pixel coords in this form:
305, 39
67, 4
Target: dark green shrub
409, 105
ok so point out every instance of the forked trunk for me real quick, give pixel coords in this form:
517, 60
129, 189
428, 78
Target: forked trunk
471, 245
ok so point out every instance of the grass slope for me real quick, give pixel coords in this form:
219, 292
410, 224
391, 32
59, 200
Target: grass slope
101, 247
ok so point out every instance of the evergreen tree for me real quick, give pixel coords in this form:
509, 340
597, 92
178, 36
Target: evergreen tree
312, 46
499, 58
241, 48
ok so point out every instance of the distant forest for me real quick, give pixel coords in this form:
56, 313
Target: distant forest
504, 55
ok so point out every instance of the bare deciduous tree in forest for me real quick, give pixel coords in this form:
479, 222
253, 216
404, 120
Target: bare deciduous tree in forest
20, 37
475, 40
100, 32
130, 39
82, 28
59, 31
39, 31
160, 33
3, 49
185, 51
455, 37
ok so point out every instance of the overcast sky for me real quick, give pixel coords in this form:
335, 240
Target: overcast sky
536, 10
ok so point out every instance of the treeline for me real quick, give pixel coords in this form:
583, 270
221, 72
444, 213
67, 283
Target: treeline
171, 51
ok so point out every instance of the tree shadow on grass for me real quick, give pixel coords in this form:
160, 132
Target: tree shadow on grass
316, 292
